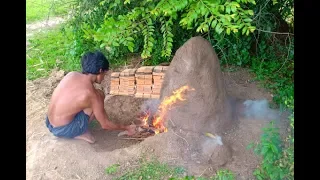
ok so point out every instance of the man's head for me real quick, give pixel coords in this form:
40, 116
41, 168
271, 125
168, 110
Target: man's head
95, 63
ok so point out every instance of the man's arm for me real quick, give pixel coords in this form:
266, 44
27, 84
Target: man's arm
97, 105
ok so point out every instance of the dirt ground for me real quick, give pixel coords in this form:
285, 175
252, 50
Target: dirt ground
48, 157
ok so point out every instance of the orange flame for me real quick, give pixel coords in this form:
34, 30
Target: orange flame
166, 105
145, 119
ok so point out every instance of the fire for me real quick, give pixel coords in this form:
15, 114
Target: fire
166, 105
145, 119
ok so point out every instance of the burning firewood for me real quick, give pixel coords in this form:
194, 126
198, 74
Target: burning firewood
150, 125
142, 131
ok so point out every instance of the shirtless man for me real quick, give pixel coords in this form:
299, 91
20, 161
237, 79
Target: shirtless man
75, 102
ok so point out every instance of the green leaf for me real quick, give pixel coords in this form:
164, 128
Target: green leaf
247, 33
252, 29
127, 2
223, 20
130, 39
199, 29
130, 46
220, 30
102, 3
259, 177
112, 169
228, 31
214, 23
274, 2
102, 45
115, 43
228, 9
244, 30
240, 26
247, 20
233, 9
222, 8
217, 27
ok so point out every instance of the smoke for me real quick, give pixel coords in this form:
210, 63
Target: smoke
150, 106
259, 109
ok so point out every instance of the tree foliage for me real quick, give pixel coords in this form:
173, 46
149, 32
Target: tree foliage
143, 18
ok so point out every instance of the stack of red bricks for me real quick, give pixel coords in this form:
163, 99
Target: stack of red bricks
144, 82
158, 75
115, 82
127, 82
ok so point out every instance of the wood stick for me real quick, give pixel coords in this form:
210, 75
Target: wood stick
138, 139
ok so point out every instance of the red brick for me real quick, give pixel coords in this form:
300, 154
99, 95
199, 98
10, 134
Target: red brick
139, 88
156, 96
114, 88
158, 74
148, 69
145, 95
158, 77
140, 82
140, 95
139, 76
148, 76
115, 74
149, 83
140, 70
157, 69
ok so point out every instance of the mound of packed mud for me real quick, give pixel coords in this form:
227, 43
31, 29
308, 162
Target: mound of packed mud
207, 108
123, 109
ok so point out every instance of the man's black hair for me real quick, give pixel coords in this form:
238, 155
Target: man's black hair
92, 62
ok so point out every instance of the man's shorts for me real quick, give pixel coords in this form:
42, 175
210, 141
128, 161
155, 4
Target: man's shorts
76, 127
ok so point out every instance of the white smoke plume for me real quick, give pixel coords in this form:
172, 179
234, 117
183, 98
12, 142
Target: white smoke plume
259, 109
150, 106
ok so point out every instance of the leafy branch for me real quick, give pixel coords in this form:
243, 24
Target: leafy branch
146, 17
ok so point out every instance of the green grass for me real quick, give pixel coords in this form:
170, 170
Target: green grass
56, 48
154, 169
48, 50
40, 9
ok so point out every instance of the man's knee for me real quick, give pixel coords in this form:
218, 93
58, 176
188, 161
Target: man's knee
88, 111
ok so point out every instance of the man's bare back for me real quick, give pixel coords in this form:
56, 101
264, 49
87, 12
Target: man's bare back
76, 88
75, 101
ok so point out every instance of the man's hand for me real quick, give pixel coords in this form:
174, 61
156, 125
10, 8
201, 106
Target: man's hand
131, 130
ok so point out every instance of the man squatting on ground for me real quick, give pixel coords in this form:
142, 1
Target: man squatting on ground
75, 102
